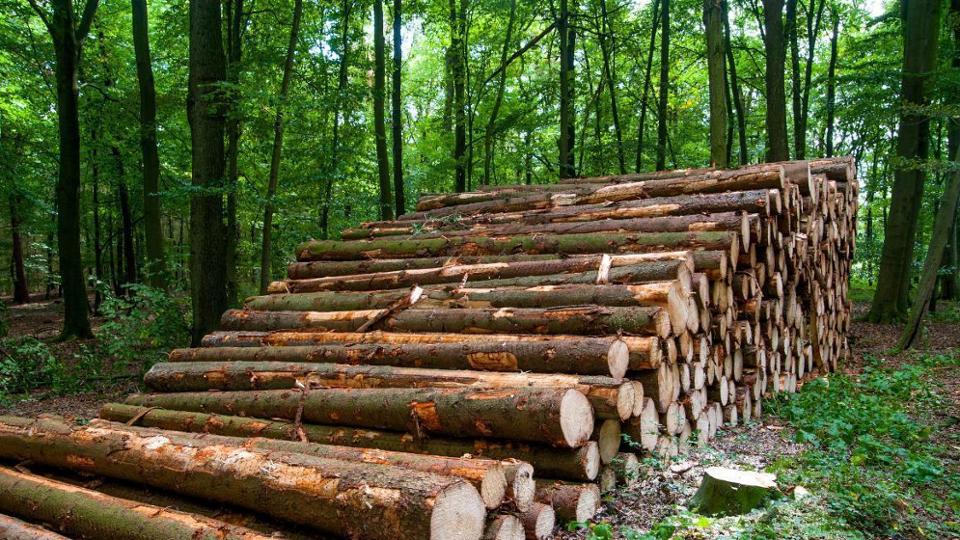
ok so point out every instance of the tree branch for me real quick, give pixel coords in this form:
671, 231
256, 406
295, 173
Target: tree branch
86, 19
43, 16
520, 52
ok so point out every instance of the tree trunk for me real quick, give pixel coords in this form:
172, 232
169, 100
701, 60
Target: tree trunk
921, 28
85, 513
813, 31
236, 21
832, 82
950, 287
279, 484
266, 248
334, 168
644, 105
713, 21
67, 41
490, 130
664, 85
14, 529
21, 291
792, 36
567, 141
776, 116
208, 271
585, 320
577, 464
155, 268
126, 229
735, 89
607, 43
458, 51
396, 111
610, 398
379, 121
553, 416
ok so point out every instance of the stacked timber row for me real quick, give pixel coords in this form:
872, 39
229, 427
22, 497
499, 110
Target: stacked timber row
493, 362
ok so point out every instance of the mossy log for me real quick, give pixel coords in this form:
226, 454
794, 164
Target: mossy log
585, 320
88, 514
570, 464
344, 498
533, 244
610, 398
553, 416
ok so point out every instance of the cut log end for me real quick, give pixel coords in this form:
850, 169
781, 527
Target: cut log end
626, 398
618, 358
590, 457
458, 513
608, 440
493, 487
504, 527
539, 521
576, 418
523, 488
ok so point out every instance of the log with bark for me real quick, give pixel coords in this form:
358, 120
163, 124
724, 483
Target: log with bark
14, 529
553, 416
569, 464
345, 498
571, 501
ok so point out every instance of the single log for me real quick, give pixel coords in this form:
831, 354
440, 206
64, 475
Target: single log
658, 384
504, 527
608, 439
611, 398
596, 320
571, 501
85, 513
607, 481
627, 468
316, 269
579, 464
14, 529
502, 352
724, 221
643, 430
535, 244
539, 521
732, 492
348, 499
554, 416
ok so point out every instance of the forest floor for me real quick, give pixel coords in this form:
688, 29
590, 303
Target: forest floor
877, 447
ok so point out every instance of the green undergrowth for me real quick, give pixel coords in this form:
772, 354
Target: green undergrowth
880, 461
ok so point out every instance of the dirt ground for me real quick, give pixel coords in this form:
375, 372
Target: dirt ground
658, 494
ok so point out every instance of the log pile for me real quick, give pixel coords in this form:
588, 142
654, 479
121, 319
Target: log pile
491, 363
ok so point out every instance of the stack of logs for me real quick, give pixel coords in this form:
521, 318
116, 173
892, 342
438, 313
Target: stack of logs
410, 380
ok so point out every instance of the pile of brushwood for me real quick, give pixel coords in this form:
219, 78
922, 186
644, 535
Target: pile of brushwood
482, 367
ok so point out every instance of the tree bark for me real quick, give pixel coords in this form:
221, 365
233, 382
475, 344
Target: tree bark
490, 130
14, 529
832, 82
67, 43
921, 28
208, 273
156, 269
735, 89
664, 85
713, 15
641, 125
379, 121
21, 291
776, 115
577, 320
607, 43
85, 513
126, 227
792, 36
396, 120
458, 51
266, 247
361, 501
571, 501
554, 416
567, 141
334, 167
578, 464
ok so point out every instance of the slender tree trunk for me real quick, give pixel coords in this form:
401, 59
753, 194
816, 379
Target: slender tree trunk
950, 287
379, 121
397, 115
776, 118
235, 22
155, 271
205, 109
713, 22
67, 41
813, 30
21, 291
832, 83
126, 223
607, 43
664, 85
343, 70
567, 81
799, 137
490, 129
921, 30
527, 160
458, 11
735, 90
265, 251
97, 234
642, 124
